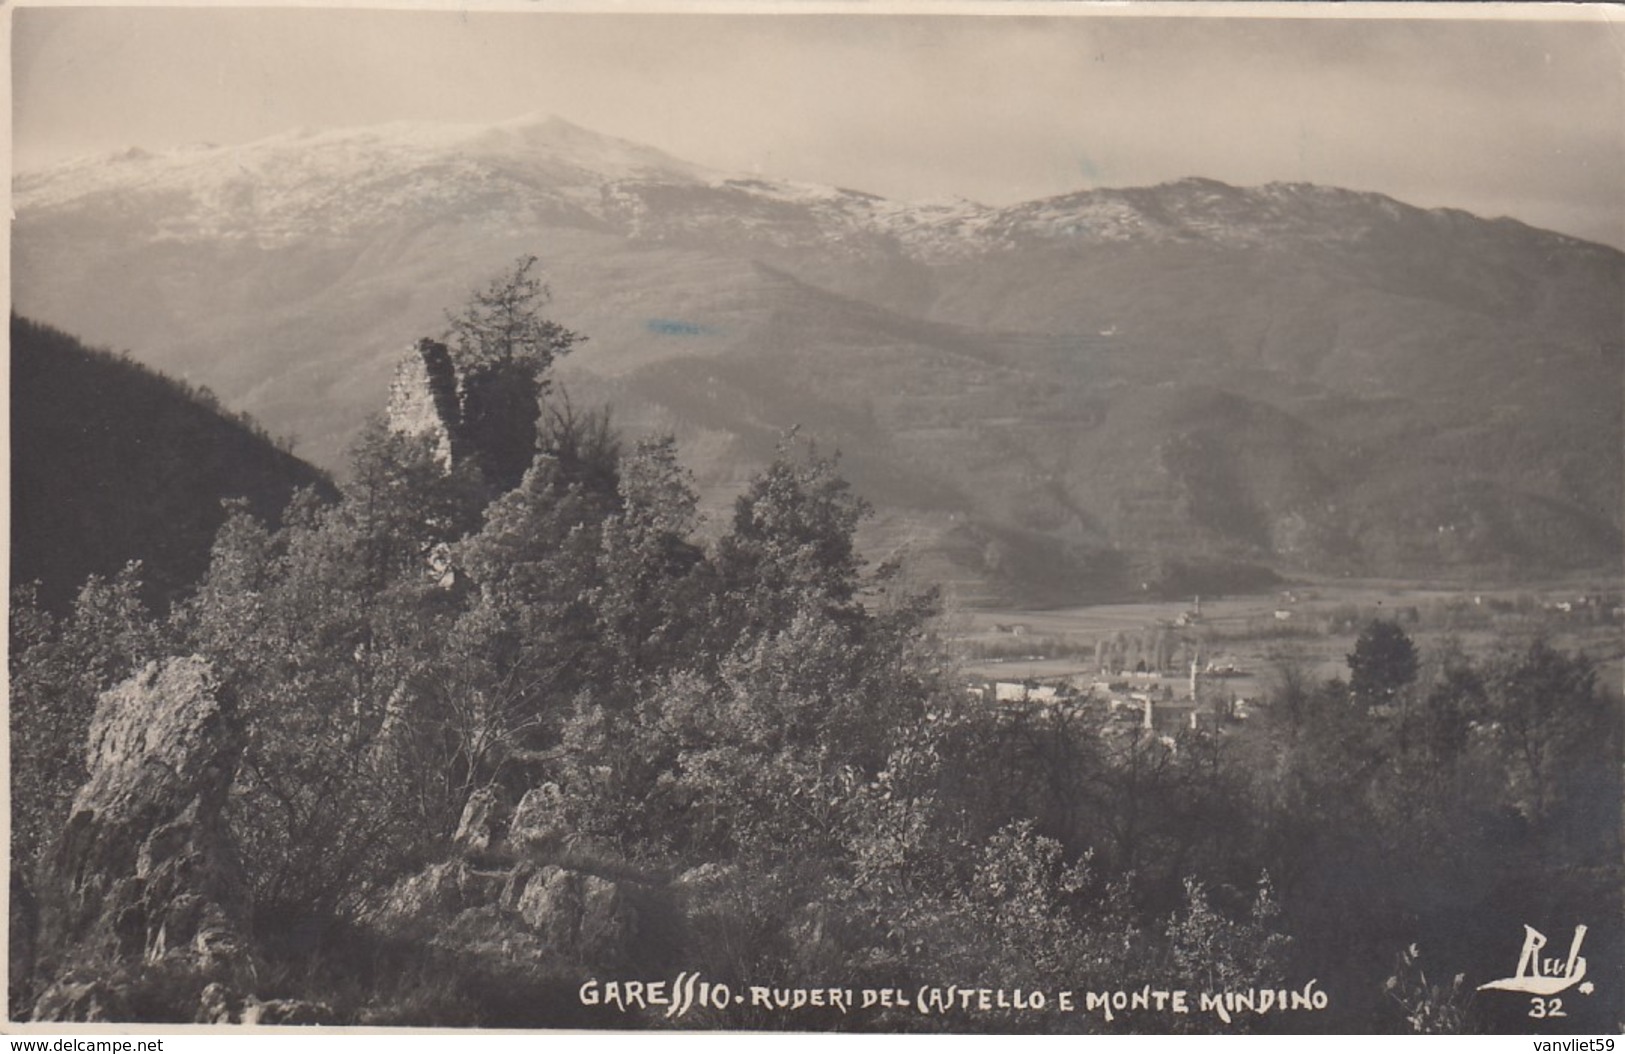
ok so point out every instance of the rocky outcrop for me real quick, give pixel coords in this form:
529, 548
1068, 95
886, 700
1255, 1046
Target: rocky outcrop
95, 1000
441, 890
592, 916
535, 825
519, 884
144, 874
480, 825
220, 1006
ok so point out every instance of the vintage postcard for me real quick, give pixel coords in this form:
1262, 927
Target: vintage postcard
951, 518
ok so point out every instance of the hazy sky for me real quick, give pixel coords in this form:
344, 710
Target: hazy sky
1518, 117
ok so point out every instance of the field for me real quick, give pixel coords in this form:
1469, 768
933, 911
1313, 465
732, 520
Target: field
1310, 623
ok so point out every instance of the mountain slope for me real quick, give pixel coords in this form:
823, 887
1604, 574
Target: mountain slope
111, 462
1045, 401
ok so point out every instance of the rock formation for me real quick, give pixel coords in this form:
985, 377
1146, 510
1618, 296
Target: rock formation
144, 874
517, 886
590, 916
480, 825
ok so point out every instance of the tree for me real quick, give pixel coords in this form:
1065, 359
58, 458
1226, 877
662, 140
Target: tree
502, 325
1382, 664
652, 578
1558, 737
402, 506
1217, 952
792, 546
503, 349
57, 669
1454, 701
326, 629
300, 623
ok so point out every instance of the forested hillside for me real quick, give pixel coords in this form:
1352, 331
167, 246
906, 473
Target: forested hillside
453, 749
113, 462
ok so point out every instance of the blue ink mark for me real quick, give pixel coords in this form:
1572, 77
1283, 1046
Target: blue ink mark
669, 327
1090, 171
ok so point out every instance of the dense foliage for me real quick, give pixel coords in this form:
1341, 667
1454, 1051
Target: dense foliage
113, 462
770, 726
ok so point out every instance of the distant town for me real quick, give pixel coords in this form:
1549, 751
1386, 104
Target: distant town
1187, 669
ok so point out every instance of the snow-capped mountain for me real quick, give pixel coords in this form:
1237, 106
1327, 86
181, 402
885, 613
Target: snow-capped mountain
306, 184
1289, 375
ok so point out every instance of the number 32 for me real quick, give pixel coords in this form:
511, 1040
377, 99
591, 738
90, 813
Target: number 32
1546, 1008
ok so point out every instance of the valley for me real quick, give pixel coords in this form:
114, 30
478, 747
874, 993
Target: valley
1243, 643
919, 521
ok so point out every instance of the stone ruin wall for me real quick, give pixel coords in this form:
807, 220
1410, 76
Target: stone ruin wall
424, 399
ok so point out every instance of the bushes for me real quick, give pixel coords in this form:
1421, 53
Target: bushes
766, 733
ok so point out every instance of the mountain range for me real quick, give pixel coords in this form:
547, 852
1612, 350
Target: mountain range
1179, 388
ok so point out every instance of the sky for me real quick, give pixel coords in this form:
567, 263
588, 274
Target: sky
1522, 114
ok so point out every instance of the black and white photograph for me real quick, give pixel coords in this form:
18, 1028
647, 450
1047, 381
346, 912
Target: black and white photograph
952, 518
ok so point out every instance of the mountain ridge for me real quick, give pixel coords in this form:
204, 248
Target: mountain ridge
1363, 354
1198, 204
112, 462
